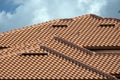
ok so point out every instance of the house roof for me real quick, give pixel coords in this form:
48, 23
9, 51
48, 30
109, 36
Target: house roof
84, 47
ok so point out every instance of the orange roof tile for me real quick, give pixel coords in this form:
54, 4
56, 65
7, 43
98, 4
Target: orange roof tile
84, 47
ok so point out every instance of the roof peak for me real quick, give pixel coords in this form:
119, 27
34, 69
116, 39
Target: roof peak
94, 15
91, 15
64, 19
99, 17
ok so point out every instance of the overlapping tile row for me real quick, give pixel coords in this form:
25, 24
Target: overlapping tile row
84, 30
14, 57
78, 63
43, 67
37, 32
90, 34
22, 48
107, 63
17, 62
119, 33
79, 32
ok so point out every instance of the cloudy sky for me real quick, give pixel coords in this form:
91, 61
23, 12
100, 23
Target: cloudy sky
18, 13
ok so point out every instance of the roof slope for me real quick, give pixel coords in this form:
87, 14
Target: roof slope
75, 49
83, 30
43, 67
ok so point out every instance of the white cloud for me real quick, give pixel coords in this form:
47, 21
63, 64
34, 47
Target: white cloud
40, 15
97, 6
35, 11
17, 1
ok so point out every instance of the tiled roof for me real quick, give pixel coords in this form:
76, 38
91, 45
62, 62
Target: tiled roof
79, 29
84, 47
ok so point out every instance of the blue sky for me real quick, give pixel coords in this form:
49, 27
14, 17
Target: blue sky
19, 13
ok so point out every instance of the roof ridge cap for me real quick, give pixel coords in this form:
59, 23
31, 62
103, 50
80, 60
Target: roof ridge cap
74, 45
94, 16
54, 52
100, 17
89, 15
74, 18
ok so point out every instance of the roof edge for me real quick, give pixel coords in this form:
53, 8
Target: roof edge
87, 15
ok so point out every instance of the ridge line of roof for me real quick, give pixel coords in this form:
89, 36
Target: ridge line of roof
74, 18
100, 17
73, 45
78, 62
